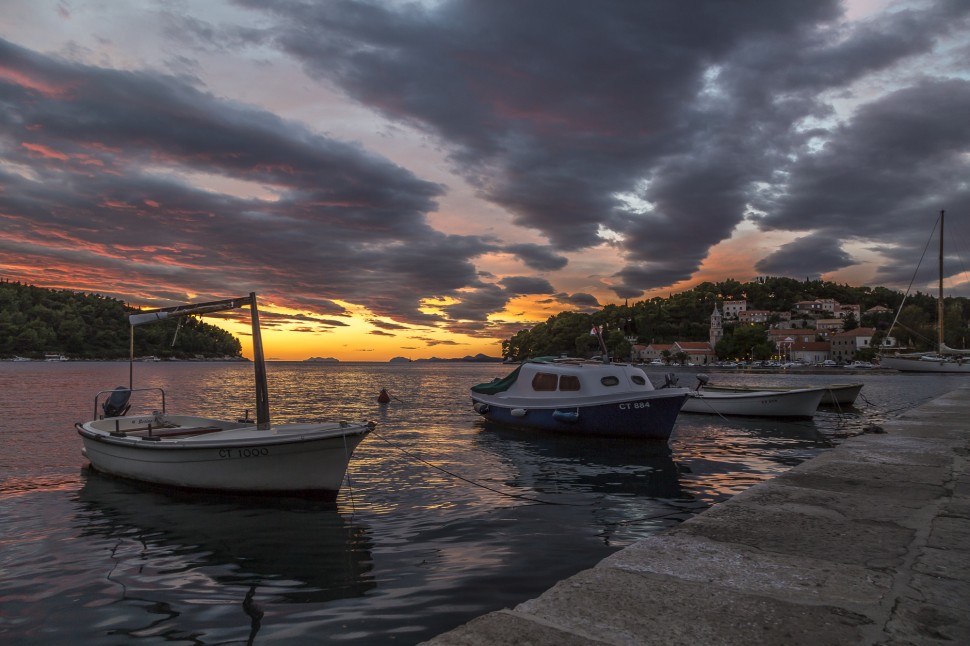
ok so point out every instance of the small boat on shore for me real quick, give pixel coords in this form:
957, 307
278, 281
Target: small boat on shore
834, 394
794, 403
237, 456
581, 397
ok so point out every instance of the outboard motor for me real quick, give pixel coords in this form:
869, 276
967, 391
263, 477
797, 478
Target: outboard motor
670, 380
117, 403
702, 381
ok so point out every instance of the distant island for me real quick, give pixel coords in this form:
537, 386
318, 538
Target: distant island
478, 358
321, 360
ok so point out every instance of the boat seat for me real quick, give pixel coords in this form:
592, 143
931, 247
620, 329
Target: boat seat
178, 431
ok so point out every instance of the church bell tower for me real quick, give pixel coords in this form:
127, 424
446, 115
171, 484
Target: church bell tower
717, 328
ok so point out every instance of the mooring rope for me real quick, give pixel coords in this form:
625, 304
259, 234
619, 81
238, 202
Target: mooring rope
468, 480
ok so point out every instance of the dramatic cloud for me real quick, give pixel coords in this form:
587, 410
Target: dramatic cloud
808, 257
423, 165
655, 122
108, 170
903, 155
520, 285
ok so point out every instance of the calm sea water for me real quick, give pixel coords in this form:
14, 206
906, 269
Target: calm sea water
442, 518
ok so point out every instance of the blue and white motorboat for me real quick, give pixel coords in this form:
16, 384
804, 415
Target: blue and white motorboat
580, 396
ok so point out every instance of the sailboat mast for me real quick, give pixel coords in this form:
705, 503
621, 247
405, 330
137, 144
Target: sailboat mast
940, 308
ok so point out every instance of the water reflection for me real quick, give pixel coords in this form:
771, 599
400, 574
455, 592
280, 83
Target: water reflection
725, 456
561, 464
172, 550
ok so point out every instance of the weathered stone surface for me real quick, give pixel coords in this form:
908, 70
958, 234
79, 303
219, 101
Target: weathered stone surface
507, 628
638, 609
919, 623
865, 543
727, 565
952, 562
948, 531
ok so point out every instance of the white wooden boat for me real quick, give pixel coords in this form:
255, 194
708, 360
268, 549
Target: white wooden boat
945, 359
582, 397
217, 454
794, 403
834, 394
928, 362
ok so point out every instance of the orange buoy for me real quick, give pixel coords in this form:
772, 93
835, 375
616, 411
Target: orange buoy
383, 398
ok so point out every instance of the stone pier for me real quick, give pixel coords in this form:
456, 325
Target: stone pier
868, 543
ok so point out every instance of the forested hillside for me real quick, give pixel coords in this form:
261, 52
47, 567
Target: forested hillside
35, 321
686, 316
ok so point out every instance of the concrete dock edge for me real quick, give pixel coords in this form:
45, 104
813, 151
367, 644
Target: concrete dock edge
868, 543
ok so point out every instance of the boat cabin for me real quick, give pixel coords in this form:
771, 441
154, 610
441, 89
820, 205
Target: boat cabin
555, 379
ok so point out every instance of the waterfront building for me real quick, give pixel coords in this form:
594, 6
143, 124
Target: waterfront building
754, 317
810, 352
846, 344
733, 308
699, 353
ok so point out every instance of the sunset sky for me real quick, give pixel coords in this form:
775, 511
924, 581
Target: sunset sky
425, 178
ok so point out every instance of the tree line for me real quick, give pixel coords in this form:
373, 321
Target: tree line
686, 316
35, 321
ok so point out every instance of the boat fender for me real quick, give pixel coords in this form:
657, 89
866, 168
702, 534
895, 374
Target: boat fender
518, 412
480, 408
570, 416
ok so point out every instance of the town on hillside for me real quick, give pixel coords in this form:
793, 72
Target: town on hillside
815, 332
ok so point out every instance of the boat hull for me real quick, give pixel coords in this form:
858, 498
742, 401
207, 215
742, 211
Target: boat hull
903, 364
791, 404
841, 394
835, 394
649, 415
295, 458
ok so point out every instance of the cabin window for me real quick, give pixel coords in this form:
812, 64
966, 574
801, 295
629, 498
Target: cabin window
568, 382
544, 381
610, 381
638, 380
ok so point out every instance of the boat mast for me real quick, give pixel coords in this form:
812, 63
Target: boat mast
940, 308
262, 391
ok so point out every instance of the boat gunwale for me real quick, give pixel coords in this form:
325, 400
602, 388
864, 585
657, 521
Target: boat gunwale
550, 402
188, 443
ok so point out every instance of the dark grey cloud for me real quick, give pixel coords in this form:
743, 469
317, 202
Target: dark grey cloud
806, 257
882, 179
538, 257
580, 301
522, 285
559, 111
